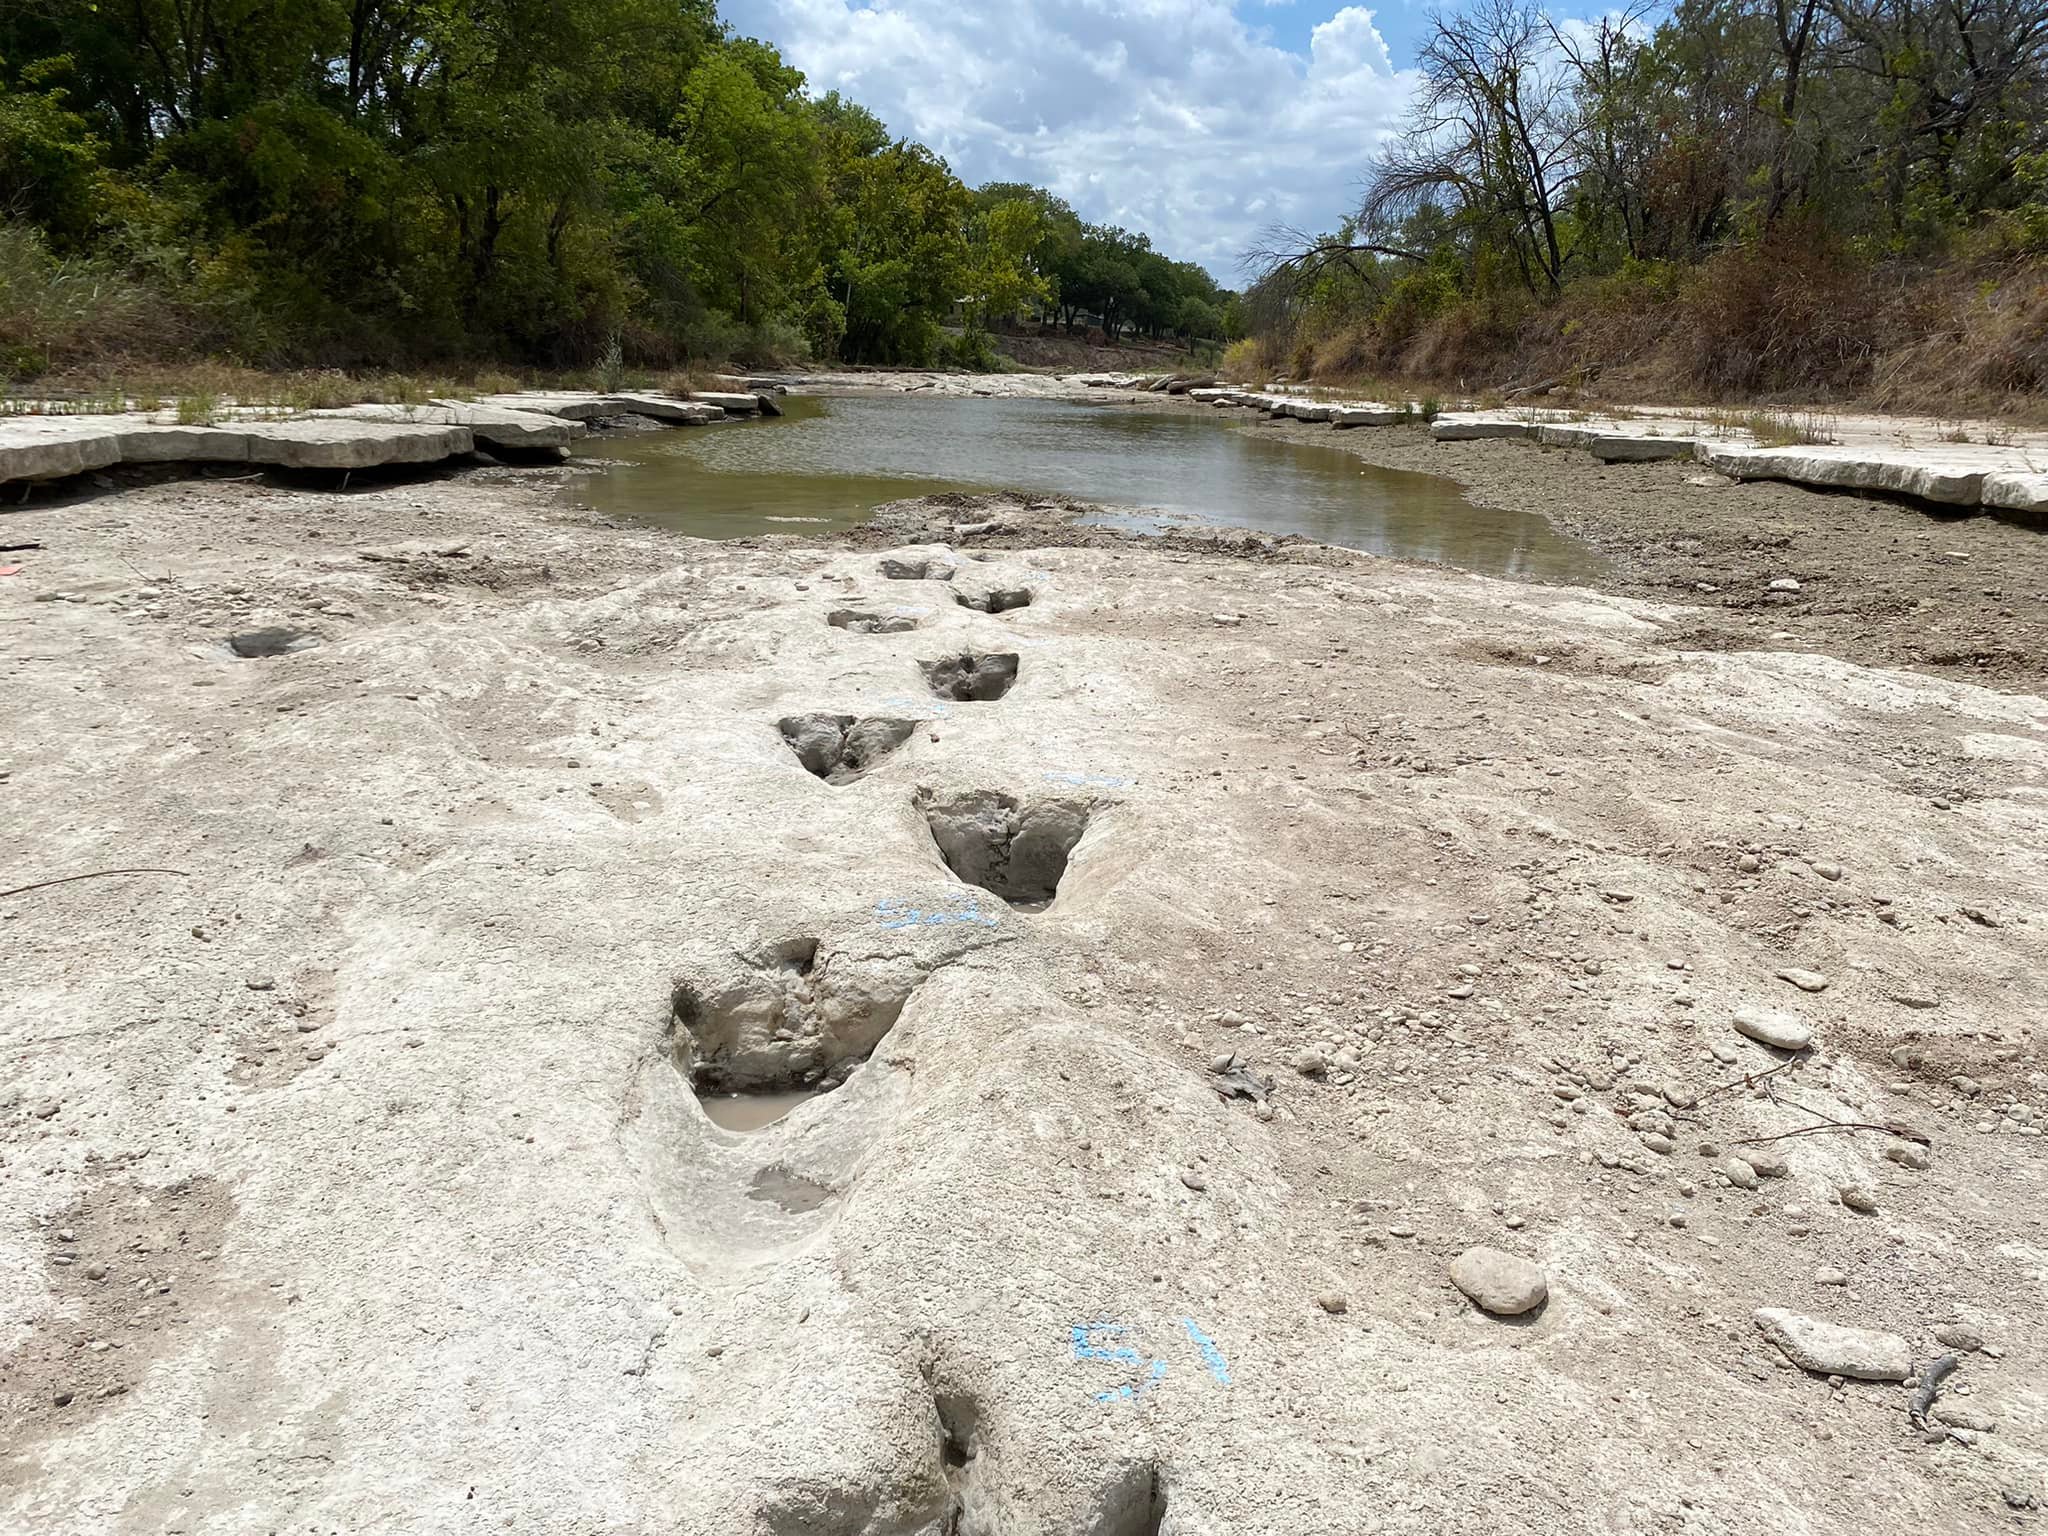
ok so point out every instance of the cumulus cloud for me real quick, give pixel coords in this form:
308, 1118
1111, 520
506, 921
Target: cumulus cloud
1176, 117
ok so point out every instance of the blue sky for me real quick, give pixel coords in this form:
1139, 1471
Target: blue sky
1291, 24
1199, 121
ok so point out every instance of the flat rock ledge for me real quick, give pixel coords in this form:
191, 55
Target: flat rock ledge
1895, 456
1501, 1283
355, 437
1830, 1349
1872, 455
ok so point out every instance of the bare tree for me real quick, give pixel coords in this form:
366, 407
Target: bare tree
1302, 258
1612, 139
1492, 134
1793, 27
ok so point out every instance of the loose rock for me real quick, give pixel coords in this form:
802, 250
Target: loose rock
1773, 1027
1804, 980
1501, 1283
1963, 1416
257, 644
1767, 1163
1829, 1349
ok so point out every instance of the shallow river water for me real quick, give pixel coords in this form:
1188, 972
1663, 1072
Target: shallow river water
829, 462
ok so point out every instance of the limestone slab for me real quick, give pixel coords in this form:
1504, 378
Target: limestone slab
495, 426
143, 441
2016, 491
335, 442
51, 447
1901, 472
44, 448
586, 406
1466, 429
1637, 447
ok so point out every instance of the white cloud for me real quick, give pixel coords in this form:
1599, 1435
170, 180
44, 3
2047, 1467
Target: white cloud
1170, 116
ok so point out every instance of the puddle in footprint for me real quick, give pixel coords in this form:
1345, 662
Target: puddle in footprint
792, 1191
750, 1111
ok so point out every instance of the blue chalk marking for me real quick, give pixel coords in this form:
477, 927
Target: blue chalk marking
1086, 1347
893, 913
1212, 1357
1132, 1394
1089, 780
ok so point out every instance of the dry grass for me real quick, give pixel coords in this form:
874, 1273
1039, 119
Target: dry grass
1795, 322
157, 386
1776, 428
1977, 343
198, 409
688, 380
53, 310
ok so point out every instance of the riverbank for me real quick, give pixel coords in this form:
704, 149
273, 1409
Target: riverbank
1394, 912
1759, 564
38, 448
1880, 581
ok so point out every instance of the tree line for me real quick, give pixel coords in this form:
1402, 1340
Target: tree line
375, 181
1756, 160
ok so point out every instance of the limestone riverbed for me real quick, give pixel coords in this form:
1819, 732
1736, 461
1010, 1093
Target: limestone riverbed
1180, 1017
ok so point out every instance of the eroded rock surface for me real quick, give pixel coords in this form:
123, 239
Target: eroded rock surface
379, 1031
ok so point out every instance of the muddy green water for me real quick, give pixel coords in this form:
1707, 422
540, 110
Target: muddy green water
829, 462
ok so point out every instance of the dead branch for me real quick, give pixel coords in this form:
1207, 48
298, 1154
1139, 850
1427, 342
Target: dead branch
42, 885
1824, 1122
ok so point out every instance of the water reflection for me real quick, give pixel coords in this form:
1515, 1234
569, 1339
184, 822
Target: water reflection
830, 462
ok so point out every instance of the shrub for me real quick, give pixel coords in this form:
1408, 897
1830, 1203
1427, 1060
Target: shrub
611, 366
57, 312
1252, 359
1349, 354
971, 351
1414, 299
774, 344
197, 409
1793, 311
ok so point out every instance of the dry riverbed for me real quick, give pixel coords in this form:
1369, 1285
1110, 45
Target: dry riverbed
1211, 951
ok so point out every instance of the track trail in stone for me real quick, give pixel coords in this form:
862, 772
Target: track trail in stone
1479, 889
